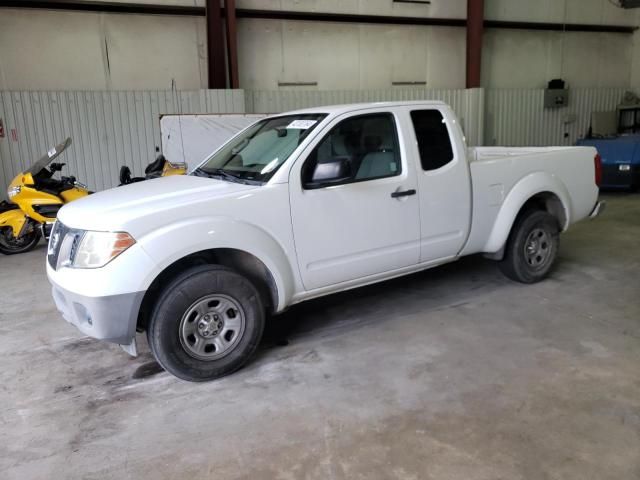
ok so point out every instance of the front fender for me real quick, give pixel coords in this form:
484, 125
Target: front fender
14, 219
172, 242
522, 191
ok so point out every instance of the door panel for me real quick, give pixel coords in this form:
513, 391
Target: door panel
355, 229
443, 181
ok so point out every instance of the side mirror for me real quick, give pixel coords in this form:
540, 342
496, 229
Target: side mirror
337, 170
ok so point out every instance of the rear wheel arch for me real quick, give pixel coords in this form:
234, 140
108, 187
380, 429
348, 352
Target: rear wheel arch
545, 201
240, 261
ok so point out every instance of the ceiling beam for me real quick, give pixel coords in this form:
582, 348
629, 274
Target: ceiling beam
106, 7
155, 9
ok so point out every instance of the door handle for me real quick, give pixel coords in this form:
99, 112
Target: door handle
404, 193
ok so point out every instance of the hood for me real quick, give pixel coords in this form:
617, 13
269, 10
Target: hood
143, 204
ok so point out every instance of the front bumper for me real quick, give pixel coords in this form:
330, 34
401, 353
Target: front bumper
104, 303
112, 318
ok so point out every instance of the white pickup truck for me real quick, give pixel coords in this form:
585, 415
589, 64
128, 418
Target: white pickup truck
301, 205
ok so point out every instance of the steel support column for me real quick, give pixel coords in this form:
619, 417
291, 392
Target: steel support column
215, 45
475, 27
232, 42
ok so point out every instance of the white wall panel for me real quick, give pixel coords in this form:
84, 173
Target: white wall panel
602, 60
348, 56
64, 50
325, 53
602, 12
446, 58
529, 59
597, 12
68, 50
635, 59
148, 52
515, 117
108, 129
55, 50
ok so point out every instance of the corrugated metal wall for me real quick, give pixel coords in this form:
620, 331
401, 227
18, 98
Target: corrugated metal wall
108, 129
192, 138
516, 117
261, 101
463, 102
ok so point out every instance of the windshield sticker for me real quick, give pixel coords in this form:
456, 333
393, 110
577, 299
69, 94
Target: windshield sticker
302, 124
51, 152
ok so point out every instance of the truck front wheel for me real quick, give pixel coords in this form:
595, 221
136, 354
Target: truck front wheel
206, 324
532, 247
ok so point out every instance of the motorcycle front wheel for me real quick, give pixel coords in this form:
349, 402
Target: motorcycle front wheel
10, 245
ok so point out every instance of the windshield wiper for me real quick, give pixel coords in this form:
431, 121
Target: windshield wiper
218, 172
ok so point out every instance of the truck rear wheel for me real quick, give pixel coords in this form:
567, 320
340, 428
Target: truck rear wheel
207, 324
532, 247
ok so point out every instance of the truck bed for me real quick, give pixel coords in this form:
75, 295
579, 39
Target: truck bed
501, 174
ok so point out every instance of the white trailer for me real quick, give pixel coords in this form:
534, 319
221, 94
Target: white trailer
191, 138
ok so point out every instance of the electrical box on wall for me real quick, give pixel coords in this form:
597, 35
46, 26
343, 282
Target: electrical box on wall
556, 95
556, 98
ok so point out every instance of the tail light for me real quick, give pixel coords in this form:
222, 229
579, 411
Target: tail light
597, 160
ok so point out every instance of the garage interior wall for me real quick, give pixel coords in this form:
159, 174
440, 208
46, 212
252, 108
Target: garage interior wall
110, 129
529, 59
99, 51
105, 79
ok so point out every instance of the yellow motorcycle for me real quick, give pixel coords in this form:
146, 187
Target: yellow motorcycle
35, 198
160, 167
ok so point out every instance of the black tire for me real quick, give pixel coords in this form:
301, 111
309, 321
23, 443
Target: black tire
9, 245
532, 247
174, 350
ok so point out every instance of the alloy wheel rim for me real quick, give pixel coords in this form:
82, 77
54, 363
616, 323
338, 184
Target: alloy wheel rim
212, 327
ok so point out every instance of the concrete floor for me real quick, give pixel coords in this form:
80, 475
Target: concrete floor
454, 373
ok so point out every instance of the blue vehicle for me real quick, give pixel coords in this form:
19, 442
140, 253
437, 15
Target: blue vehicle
620, 160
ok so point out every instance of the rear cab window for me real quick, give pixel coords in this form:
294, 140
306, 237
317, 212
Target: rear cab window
434, 143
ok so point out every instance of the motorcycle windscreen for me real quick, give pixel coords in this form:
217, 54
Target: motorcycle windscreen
49, 157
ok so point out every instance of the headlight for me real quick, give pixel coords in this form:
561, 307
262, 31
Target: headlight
96, 249
13, 191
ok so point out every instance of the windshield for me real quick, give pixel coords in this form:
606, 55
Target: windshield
257, 152
49, 157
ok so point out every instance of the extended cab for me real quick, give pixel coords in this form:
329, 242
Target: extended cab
301, 205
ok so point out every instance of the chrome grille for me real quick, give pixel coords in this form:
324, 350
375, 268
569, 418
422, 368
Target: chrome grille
58, 234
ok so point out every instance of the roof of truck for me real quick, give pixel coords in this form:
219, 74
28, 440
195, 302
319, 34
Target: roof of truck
337, 109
